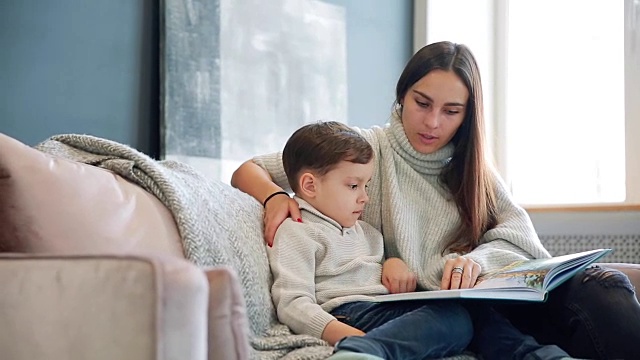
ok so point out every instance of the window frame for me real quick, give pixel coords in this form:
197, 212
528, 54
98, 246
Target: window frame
495, 88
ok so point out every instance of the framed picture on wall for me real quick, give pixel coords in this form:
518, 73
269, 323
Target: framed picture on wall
239, 76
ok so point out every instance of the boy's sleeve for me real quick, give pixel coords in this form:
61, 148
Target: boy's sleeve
272, 163
293, 260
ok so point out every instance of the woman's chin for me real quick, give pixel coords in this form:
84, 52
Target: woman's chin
425, 149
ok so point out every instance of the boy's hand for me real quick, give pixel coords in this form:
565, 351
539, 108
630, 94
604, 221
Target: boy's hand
397, 277
335, 330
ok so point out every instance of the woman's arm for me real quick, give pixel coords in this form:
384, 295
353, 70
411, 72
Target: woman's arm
256, 181
514, 237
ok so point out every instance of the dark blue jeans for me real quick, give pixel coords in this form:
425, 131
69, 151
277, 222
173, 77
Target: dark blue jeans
435, 329
594, 315
406, 330
495, 338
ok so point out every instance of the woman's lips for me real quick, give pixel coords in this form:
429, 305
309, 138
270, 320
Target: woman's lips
427, 139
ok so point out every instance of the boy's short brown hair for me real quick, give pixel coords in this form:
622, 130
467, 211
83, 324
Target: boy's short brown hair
320, 146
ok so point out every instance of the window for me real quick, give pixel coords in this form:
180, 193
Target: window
561, 92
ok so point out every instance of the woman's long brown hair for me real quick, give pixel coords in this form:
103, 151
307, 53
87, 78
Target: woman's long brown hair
468, 175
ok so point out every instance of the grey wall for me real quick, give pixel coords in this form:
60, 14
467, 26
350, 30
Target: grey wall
76, 66
379, 44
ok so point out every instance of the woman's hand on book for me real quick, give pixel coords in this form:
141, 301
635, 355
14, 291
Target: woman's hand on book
397, 277
460, 273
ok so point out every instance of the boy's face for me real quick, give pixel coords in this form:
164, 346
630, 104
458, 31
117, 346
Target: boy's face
341, 194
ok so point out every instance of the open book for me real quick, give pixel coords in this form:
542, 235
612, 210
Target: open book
529, 280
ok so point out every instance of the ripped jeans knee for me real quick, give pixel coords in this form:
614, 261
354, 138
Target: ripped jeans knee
607, 278
597, 300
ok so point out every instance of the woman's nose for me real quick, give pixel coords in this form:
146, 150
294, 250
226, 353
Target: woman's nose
432, 119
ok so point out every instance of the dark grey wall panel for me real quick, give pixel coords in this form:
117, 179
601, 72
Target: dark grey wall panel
74, 66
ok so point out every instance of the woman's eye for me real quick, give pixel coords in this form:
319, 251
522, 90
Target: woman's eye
422, 104
453, 112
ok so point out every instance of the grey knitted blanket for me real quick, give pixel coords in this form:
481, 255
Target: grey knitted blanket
219, 225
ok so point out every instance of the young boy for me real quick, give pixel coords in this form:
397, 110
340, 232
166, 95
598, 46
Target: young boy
327, 266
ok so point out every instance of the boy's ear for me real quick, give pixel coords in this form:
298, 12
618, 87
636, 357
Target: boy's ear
308, 183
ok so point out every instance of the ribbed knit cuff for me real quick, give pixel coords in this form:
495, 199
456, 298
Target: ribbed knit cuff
318, 322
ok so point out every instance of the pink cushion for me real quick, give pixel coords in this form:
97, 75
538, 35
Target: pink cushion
53, 205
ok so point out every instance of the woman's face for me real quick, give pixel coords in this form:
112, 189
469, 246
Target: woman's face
433, 110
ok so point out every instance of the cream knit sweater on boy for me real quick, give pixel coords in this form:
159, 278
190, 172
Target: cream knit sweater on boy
318, 265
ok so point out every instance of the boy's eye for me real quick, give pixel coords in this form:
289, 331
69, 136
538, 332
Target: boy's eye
353, 186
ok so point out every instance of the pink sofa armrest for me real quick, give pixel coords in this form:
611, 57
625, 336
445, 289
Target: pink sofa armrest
102, 307
228, 323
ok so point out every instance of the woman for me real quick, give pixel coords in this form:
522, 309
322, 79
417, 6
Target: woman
441, 207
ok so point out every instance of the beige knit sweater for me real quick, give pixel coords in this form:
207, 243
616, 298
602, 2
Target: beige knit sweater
415, 213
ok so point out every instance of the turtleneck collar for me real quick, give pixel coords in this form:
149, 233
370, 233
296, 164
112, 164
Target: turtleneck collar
430, 164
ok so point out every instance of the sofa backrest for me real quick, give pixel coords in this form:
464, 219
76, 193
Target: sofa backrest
53, 205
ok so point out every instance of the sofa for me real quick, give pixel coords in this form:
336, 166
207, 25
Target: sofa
92, 267
108, 254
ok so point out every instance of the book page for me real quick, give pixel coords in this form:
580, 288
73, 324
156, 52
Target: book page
519, 274
536, 273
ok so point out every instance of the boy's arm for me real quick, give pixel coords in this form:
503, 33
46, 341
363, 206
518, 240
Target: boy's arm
397, 277
293, 261
336, 330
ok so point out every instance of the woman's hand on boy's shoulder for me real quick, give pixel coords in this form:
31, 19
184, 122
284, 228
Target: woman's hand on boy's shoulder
276, 211
397, 277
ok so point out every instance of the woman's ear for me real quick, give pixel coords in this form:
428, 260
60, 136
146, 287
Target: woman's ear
308, 184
